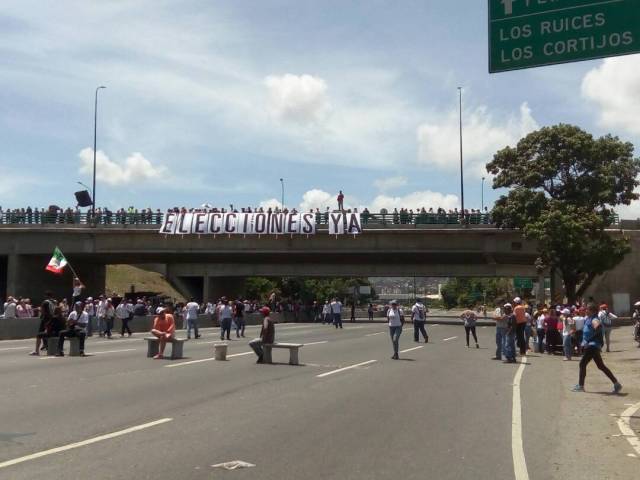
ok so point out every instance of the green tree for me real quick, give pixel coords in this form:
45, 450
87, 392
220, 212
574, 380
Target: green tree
564, 184
259, 288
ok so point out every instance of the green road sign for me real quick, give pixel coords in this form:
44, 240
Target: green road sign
531, 33
520, 283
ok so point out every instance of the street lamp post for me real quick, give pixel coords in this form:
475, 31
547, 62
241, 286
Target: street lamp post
282, 185
95, 134
482, 197
461, 165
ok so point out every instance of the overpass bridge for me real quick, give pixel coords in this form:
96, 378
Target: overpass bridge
208, 266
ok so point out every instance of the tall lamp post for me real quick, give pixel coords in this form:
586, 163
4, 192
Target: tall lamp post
461, 167
282, 185
95, 134
482, 197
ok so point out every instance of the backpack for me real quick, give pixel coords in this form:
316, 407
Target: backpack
421, 315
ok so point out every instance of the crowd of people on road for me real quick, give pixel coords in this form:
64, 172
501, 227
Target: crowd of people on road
583, 329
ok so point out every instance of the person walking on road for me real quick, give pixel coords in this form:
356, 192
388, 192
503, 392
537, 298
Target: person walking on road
327, 316
192, 309
224, 316
394, 316
593, 341
606, 319
568, 332
109, 316
370, 312
419, 319
510, 334
238, 317
336, 309
123, 314
267, 334
520, 312
501, 328
469, 317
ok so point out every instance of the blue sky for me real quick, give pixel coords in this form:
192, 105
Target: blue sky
215, 101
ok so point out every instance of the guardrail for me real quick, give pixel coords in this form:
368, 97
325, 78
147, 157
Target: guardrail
155, 218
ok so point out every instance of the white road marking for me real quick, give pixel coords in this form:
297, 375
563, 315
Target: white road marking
317, 343
625, 426
372, 334
632, 455
202, 360
83, 443
114, 351
517, 448
450, 338
411, 349
326, 374
14, 348
434, 324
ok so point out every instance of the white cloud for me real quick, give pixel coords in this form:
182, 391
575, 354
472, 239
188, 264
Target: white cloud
316, 198
390, 183
271, 203
483, 136
135, 168
415, 201
298, 98
614, 87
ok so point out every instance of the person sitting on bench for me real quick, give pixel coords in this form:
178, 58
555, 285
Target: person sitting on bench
51, 322
164, 327
267, 334
76, 327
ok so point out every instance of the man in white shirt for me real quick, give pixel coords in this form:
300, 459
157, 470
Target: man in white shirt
336, 308
122, 312
90, 308
224, 316
395, 318
606, 319
419, 319
76, 327
101, 311
10, 308
191, 318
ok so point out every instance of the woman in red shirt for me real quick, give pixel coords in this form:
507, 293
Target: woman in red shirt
164, 328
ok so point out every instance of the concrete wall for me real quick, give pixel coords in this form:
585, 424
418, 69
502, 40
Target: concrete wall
18, 328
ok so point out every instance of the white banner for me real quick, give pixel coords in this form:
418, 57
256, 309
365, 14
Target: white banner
257, 224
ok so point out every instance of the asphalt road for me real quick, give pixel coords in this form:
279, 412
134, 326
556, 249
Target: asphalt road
443, 411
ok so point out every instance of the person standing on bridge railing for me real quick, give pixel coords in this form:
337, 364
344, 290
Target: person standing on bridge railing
340, 201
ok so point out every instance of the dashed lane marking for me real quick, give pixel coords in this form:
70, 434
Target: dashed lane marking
450, 338
411, 349
372, 334
350, 367
83, 443
14, 348
202, 360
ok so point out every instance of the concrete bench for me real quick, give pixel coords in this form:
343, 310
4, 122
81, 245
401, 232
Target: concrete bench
292, 347
153, 347
74, 346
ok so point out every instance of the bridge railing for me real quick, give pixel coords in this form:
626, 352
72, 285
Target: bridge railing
155, 218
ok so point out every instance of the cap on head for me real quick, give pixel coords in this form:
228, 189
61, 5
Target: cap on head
566, 312
517, 300
637, 304
265, 311
507, 305
394, 302
159, 310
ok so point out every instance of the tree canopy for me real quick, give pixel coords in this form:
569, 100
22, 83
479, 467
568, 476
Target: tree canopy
564, 185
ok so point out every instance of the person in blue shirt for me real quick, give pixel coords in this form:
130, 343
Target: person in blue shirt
592, 342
